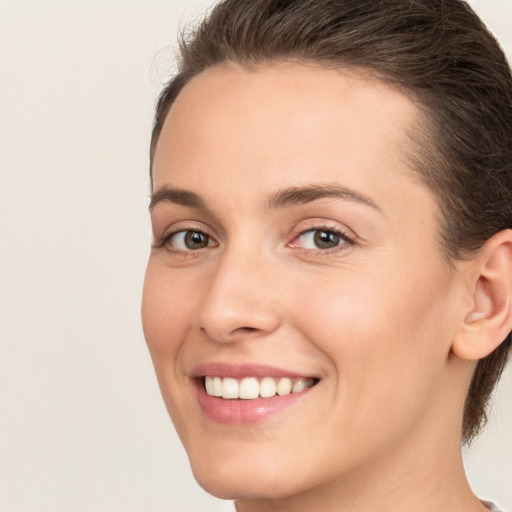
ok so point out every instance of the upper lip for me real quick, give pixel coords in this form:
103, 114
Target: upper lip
238, 371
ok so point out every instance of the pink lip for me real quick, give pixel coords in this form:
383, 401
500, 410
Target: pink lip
243, 412
242, 370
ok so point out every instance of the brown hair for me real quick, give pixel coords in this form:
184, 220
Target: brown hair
439, 52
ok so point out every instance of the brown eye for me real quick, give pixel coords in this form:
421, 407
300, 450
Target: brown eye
321, 239
190, 240
196, 240
326, 239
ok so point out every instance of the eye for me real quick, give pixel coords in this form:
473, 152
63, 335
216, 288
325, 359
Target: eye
321, 239
190, 240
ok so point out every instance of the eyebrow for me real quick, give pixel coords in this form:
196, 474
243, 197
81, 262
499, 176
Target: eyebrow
176, 196
290, 196
306, 194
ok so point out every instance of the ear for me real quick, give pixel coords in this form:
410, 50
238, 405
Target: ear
488, 320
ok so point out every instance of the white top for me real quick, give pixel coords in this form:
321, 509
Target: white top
492, 506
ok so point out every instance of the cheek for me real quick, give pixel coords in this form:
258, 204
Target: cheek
167, 308
386, 333
168, 302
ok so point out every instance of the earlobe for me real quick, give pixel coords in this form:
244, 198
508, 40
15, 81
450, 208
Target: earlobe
489, 320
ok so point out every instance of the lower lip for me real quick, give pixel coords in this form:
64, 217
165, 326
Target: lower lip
245, 412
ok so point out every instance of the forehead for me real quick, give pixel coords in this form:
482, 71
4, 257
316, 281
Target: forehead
282, 112
282, 125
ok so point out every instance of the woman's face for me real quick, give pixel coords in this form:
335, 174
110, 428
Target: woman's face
295, 247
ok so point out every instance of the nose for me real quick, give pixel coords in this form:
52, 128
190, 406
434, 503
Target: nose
240, 300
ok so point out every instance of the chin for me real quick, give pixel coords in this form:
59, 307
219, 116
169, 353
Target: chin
246, 480
243, 488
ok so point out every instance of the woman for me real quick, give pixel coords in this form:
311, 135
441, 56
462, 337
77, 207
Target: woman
327, 300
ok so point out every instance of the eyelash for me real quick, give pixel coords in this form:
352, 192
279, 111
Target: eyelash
165, 240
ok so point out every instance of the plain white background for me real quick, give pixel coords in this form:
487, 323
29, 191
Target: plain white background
82, 426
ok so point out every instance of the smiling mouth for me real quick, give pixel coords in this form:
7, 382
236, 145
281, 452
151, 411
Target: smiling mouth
250, 388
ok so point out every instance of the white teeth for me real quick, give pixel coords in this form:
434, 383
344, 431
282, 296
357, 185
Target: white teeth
208, 384
213, 386
298, 386
267, 387
284, 387
229, 388
217, 386
250, 388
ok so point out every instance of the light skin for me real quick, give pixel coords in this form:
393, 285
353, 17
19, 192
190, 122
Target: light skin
258, 164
